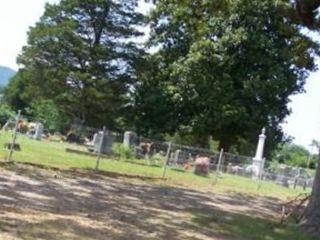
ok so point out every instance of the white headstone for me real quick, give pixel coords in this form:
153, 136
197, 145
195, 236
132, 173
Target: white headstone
130, 139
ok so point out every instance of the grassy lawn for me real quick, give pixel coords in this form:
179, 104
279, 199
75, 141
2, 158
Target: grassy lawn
54, 154
242, 225
246, 227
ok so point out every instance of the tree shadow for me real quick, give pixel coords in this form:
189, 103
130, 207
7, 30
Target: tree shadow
248, 227
84, 205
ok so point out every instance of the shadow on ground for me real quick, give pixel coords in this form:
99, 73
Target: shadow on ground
45, 204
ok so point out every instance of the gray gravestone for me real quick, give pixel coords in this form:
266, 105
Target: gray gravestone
176, 157
181, 157
102, 143
38, 131
130, 139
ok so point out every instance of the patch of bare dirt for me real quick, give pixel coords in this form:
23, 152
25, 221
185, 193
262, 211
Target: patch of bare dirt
51, 204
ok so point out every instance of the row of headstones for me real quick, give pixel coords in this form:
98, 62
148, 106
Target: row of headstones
292, 177
102, 141
35, 131
130, 140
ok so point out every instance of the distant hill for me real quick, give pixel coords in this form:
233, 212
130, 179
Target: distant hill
5, 75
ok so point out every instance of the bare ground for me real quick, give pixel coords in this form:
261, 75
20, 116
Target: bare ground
46, 204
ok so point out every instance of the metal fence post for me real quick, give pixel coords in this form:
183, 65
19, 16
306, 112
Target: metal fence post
219, 164
14, 137
100, 148
166, 160
260, 175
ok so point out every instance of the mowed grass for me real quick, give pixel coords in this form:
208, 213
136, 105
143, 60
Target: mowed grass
54, 154
241, 226
248, 228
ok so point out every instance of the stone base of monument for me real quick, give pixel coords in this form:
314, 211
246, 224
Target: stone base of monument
257, 168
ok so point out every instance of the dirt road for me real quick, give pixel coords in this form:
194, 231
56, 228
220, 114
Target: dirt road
46, 204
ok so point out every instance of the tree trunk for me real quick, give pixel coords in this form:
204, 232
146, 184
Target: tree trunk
225, 144
202, 141
311, 219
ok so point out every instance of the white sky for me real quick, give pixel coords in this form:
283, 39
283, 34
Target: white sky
17, 15
304, 122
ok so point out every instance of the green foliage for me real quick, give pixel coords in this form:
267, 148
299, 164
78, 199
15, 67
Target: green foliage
50, 115
16, 94
294, 155
154, 112
81, 55
228, 68
121, 151
157, 159
6, 113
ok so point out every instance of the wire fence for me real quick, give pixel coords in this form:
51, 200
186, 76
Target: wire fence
101, 143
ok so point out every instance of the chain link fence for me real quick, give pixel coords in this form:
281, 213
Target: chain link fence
24, 134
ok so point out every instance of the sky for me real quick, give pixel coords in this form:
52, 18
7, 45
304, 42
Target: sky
16, 16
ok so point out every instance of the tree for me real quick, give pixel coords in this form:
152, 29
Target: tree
81, 55
307, 12
303, 11
50, 115
315, 143
15, 94
294, 155
311, 218
6, 114
154, 107
231, 66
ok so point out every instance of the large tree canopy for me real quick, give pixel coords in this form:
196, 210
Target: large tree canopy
81, 54
230, 65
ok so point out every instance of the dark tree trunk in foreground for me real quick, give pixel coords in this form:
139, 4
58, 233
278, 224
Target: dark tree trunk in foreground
311, 220
224, 144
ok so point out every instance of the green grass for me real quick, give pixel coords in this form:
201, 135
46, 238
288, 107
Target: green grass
54, 154
247, 227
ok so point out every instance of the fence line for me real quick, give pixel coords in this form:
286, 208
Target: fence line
172, 155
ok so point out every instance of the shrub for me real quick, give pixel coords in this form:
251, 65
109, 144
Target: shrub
5, 114
121, 151
158, 158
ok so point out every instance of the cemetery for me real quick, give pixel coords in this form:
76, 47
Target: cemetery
188, 176
159, 120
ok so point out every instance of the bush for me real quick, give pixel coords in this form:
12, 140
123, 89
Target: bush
6, 113
121, 151
157, 158
49, 114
